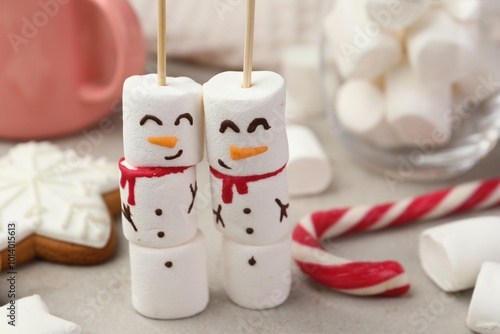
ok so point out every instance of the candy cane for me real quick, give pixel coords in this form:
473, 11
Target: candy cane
378, 278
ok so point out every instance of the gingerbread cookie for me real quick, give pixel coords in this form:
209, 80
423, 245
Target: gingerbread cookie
56, 205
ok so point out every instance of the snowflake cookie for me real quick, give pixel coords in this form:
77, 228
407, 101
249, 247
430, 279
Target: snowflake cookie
30, 315
56, 205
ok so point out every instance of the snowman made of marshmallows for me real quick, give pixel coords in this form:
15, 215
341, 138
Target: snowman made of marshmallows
163, 142
247, 149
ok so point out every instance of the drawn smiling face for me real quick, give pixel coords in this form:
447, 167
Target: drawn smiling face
245, 128
163, 126
167, 141
237, 153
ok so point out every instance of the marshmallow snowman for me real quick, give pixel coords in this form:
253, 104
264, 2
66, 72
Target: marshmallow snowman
153, 214
163, 141
162, 125
169, 283
247, 150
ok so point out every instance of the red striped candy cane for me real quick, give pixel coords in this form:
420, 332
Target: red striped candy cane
378, 278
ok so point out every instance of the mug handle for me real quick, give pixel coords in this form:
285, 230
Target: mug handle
116, 14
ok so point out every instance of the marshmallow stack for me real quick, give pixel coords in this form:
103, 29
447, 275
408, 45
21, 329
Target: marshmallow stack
414, 54
163, 141
247, 150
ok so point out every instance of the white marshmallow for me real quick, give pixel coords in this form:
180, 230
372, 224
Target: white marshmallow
164, 214
452, 254
309, 171
482, 82
394, 15
440, 49
173, 142
464, 10
257, 277
258, 217
484, 316
361, 109
254, 140
362, 49
417, 112
169, 283
300, 65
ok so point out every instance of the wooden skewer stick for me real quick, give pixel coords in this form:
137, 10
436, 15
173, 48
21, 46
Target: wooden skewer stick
162, 36
248, 60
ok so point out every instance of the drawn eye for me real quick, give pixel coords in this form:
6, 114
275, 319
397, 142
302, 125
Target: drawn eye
186, 116
256, 122
150, 118
228, 124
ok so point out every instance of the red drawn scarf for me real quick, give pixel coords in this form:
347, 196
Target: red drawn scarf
240, 182
130, 176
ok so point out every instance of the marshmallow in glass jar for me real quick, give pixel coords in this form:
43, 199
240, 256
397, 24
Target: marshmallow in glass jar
429, 75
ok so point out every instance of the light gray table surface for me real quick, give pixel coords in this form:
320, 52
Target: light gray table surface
98, 297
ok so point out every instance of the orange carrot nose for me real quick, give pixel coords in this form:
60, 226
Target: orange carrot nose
169, 142
238, 153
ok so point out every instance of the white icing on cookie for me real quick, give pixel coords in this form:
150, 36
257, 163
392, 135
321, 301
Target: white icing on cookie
32, 316
55, 194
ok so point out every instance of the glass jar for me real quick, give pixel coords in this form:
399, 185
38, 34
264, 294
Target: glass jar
411, 86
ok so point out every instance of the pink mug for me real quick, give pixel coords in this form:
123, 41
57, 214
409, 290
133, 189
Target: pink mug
63, 63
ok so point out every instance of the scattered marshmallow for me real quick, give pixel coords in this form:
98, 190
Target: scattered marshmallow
362, 49
452, 254
361, 109
395, 15
464, 10
416, 111
169, 283
484, 315
162, 125
257, 277
301, 70
309, 171
440, 49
